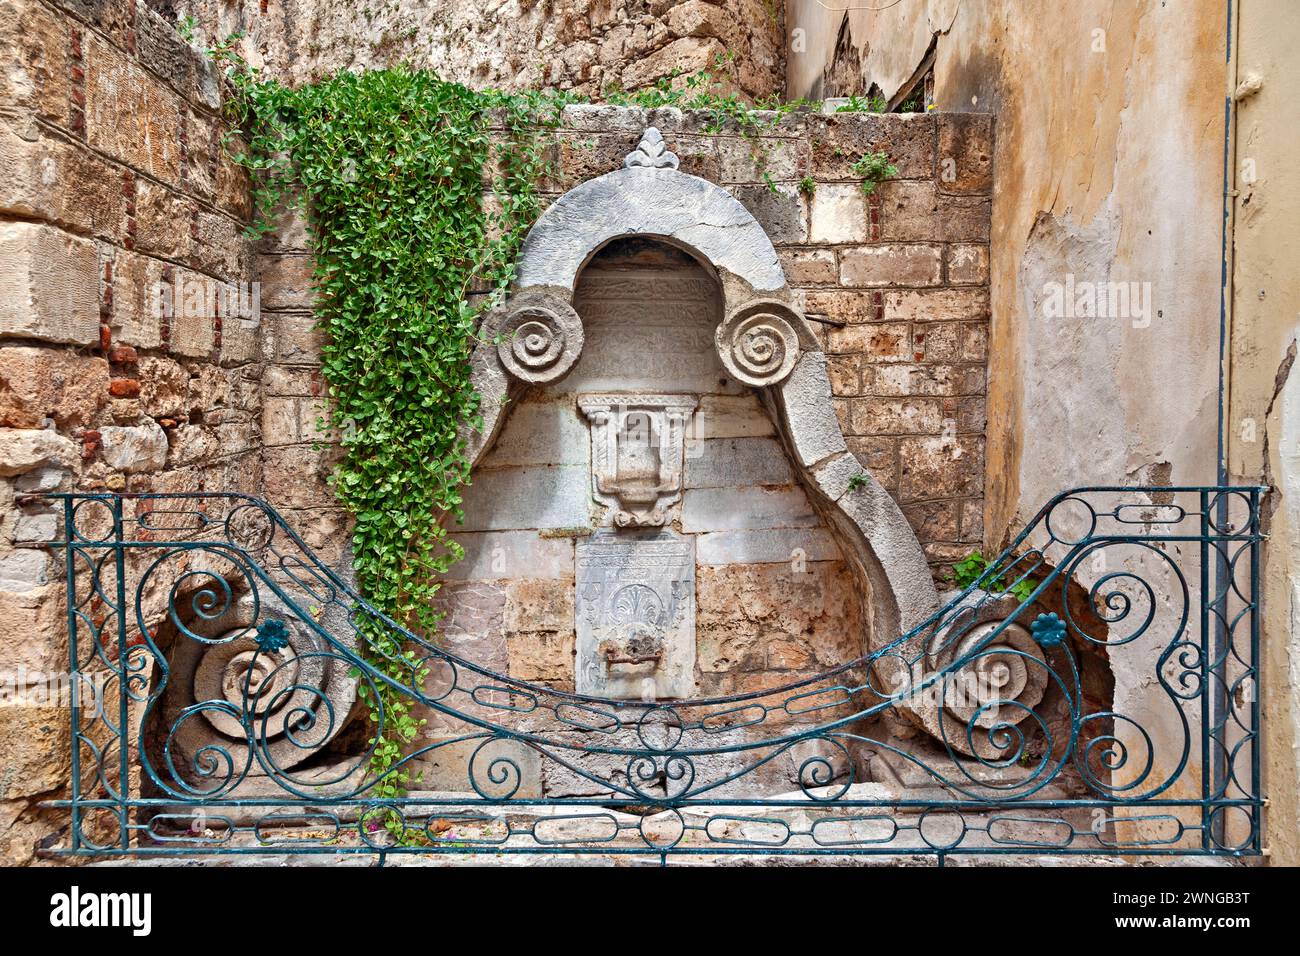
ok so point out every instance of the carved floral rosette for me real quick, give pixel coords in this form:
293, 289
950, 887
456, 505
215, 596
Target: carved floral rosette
757, 342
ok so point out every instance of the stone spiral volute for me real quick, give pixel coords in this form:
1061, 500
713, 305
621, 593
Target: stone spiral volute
540, 338
225, 692
972, 707
757, 342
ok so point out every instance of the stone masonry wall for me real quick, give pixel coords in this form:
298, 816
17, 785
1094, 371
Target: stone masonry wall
902, 275
583, 45
111, 181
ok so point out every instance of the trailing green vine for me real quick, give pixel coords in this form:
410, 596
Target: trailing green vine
975, 567
388, 167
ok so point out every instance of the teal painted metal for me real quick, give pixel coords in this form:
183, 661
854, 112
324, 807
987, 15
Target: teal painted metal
1164, 580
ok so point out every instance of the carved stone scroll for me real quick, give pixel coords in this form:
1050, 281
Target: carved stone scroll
999, 687
757, 342
541, 338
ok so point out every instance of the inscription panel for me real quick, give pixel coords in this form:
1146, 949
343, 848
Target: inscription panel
635, 613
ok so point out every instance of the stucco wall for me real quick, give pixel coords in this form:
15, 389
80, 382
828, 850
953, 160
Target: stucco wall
1263, 421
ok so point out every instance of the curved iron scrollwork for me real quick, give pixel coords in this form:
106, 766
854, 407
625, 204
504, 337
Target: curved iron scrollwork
1092, 692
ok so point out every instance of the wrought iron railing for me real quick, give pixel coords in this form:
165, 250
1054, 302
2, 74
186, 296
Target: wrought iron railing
1093, 692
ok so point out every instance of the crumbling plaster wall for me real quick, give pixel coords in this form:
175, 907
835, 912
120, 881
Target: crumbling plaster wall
901, 275
1263, 421
582, 45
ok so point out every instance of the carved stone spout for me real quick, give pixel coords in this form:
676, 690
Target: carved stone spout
636, 454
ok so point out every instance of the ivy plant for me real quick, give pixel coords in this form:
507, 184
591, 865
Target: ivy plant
389, 167
975, 566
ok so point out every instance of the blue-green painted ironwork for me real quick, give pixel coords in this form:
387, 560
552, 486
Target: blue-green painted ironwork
1160, 583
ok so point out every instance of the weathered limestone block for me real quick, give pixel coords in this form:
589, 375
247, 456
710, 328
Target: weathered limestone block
968, 264
915, 211
41, 480
163, 217
49, 285
845, 305
23, 450
749, 614
806, 395
286, 281
683, 56
35, 72
939, 305
33, 628
732, 508
782, 214
542, 656
872, 342
728, 416
184, 68
296, 475
538, 604
129, 114
497, 555
806, 267
521, 498
965, 153
48, 178
788, 546
36, 528
839, 214
886, 265
940, 467
889, 416
34, 755
840, 139
135, 448
163, 386
22, 571
40, 383
723, 462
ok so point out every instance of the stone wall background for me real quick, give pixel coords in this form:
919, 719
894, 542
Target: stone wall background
111, 180
1111, 163
583, 45
114, 180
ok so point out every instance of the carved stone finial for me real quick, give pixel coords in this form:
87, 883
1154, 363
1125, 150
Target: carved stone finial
651, 152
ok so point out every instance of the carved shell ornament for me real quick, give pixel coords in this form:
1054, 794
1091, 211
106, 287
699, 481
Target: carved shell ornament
540, 339
757, 342
651, 152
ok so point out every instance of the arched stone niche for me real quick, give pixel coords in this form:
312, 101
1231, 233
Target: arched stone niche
762, 340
